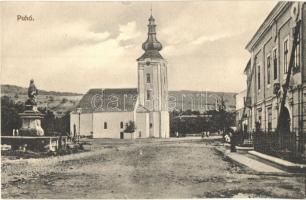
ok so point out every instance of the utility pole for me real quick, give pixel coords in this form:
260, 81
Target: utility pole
79, 111
296, 31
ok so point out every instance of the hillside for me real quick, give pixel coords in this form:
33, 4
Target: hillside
61, 102
200, 100
13, 89
58, 102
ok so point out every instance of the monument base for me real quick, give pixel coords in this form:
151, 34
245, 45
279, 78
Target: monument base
31, 123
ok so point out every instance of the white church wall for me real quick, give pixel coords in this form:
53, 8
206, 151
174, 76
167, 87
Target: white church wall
73, 120
129, 136
112, 120
86, 123
142, 124
165, 124
141, 97
156, 87
155, 122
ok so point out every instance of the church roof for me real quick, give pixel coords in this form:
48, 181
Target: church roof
150, 54
108, 100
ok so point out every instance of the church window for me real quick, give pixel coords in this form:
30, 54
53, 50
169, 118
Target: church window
121, 124
148, 94
105, 125
148, 78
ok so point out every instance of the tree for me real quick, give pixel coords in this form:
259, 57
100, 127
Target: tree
53, 125
48, 122
130, 127
64, 100
51, 98
9, 115
62, 124
223, 119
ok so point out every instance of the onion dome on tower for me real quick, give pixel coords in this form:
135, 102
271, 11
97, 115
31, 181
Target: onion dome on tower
151, 46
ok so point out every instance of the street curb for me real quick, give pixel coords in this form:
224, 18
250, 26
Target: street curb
239, 149
229, 158
289, 166
232, 160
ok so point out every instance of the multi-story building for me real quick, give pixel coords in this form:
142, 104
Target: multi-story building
267, 71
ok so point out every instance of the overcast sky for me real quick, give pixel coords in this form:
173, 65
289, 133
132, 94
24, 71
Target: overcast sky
75, 46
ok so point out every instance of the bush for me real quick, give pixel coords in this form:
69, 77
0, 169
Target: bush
9, 115
130, 127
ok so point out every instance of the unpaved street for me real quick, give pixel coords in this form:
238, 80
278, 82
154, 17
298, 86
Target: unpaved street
143, 169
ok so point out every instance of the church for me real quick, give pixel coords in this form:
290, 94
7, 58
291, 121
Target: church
128, 113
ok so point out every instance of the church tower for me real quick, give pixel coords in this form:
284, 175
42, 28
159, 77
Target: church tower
153, 84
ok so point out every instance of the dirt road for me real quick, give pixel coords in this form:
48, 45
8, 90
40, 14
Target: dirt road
143, 169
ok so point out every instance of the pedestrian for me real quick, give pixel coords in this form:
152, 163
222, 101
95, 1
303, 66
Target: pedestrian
233, 142
13, 132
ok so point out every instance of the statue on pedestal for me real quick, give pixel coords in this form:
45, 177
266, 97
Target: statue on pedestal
31, 103
31, 118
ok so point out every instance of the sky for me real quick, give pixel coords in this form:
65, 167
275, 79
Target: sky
75, 46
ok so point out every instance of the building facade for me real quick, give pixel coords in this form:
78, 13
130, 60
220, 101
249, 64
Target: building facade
267, 71
240, 99
106, 113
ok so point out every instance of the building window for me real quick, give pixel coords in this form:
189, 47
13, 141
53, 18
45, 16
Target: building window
259, 118
268, 70
105, 125
286, 52
296, 61
121, 124
275, 64
148, 94
148, 78
258, 77
269, 119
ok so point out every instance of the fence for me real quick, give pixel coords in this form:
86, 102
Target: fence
289, 147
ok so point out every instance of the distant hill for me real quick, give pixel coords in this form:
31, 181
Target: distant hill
13, 89
58, 102
200, 100
61, 102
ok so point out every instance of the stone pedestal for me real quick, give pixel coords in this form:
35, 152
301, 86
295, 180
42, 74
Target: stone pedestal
31, 123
